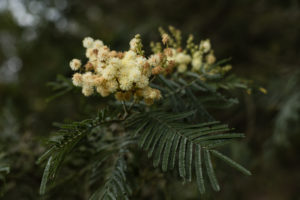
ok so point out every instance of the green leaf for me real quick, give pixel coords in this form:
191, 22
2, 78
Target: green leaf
181, 160
45, 176
198, 168
144, 136
189, 160
174, 148
158, 135
167, 152
45, 156
210, 171
219, 136
231, 162
160, 148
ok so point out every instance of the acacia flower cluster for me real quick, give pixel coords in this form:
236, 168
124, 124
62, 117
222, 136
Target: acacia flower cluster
127, 74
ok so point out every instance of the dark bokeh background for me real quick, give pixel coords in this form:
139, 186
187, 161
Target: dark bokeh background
38, 38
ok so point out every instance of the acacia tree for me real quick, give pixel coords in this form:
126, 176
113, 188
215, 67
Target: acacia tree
156, 102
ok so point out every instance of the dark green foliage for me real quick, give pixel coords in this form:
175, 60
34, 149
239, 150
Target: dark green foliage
195, 94
171, 142
68, 136
105, 163
116, 186
61, 86
62, 146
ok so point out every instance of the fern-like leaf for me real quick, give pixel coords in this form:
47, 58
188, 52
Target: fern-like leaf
116, 186
168, 140
180, 95
69, 135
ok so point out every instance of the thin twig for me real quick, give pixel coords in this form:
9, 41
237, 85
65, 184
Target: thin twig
125, 111
124, 107
131, 105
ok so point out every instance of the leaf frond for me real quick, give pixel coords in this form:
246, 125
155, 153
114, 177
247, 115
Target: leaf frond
174, 144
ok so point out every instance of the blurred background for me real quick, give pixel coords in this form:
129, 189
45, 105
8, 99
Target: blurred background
39, 38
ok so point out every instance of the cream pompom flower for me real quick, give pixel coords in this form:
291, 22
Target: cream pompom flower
182, 68
87, 91
88, 42
197, 61
183, 58
98, 44
154, 60
77, 79
109, 72
205, 46
75, 64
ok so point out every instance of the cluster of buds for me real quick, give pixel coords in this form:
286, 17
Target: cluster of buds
125, 74
200, 57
